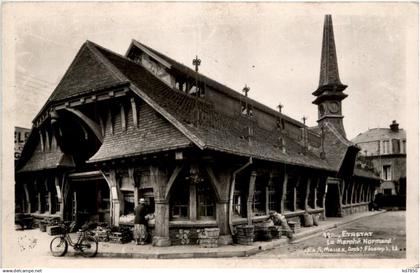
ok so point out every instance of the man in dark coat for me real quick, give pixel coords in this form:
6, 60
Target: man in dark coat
140, 223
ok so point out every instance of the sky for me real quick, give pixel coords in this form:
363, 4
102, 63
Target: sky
274, 48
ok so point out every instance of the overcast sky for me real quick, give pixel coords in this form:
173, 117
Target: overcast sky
274, 48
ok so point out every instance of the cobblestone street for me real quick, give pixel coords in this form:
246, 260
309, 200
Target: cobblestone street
389, 226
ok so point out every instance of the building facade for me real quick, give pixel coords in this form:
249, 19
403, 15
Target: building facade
117, 128
385, 149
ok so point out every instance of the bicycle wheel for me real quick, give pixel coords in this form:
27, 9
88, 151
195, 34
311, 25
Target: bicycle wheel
89, 246
58, 246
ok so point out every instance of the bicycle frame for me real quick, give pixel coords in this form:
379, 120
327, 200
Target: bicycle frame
68, 238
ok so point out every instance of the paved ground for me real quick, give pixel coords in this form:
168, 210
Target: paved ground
340, 242
33, 245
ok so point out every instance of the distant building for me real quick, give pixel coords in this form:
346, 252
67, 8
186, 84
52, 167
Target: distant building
385, 148
21, 135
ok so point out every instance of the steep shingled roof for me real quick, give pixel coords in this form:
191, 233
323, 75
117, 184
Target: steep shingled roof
211, 82
215, 131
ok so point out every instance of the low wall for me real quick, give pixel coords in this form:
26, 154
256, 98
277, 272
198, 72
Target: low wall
355, 208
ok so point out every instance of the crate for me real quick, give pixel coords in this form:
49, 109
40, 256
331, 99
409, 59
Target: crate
118, 238
54, 230
209, 242
294, 226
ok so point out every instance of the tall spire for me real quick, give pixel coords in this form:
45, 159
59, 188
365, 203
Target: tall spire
329, 76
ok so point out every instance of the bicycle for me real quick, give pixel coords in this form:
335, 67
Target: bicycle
86, 244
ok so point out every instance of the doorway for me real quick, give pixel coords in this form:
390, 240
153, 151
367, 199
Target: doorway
90, 200
332, 201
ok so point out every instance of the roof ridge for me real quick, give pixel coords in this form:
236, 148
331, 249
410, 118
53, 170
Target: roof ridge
255, 103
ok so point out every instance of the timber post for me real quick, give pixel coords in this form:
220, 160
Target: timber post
284, 191
159, 182
251, 189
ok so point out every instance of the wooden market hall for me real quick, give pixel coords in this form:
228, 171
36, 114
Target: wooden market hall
118, 128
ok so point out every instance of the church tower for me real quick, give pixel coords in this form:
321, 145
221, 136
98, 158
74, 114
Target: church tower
330, 90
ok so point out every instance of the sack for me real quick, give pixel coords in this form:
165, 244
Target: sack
315, 219
308, 221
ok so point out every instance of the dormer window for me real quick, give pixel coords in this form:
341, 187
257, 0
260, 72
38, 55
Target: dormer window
247, 110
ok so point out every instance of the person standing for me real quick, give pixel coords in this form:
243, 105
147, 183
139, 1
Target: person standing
140, 223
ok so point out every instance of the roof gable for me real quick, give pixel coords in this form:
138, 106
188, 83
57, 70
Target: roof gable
87, 73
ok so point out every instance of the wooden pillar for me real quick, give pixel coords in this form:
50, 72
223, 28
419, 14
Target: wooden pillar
135, 186
110, 122
324, 191
353, 189
41, 139
360, 192
115, 200
299, 180
28, 198
284, 191
267, 207
48, 190
251, 190
134, 112
159, 181
308, 190
193, 202
59, 195
38, 193
315, 193
123, 118
221, 184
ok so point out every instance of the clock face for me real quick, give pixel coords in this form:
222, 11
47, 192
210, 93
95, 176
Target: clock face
334, 107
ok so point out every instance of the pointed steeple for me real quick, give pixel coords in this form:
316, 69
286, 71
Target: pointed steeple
329, 77
329, 94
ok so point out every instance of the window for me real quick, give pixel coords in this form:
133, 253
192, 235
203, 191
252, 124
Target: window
388, 191
386, 149
258, 203
386, 172
403, 146
247, 109
237, 203
396, 146
180, 201
128, 202
205, 198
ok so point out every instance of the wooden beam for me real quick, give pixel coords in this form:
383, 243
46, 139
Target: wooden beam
109, 122
308, 190
193, 202
88, 121
28, 198
294, 207
102, 125
214, 182
250, 197
315, 193
171, 180
41, 139
134, 112
123, 117
284, 191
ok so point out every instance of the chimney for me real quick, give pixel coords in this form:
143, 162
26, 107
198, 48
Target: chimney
394, 126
